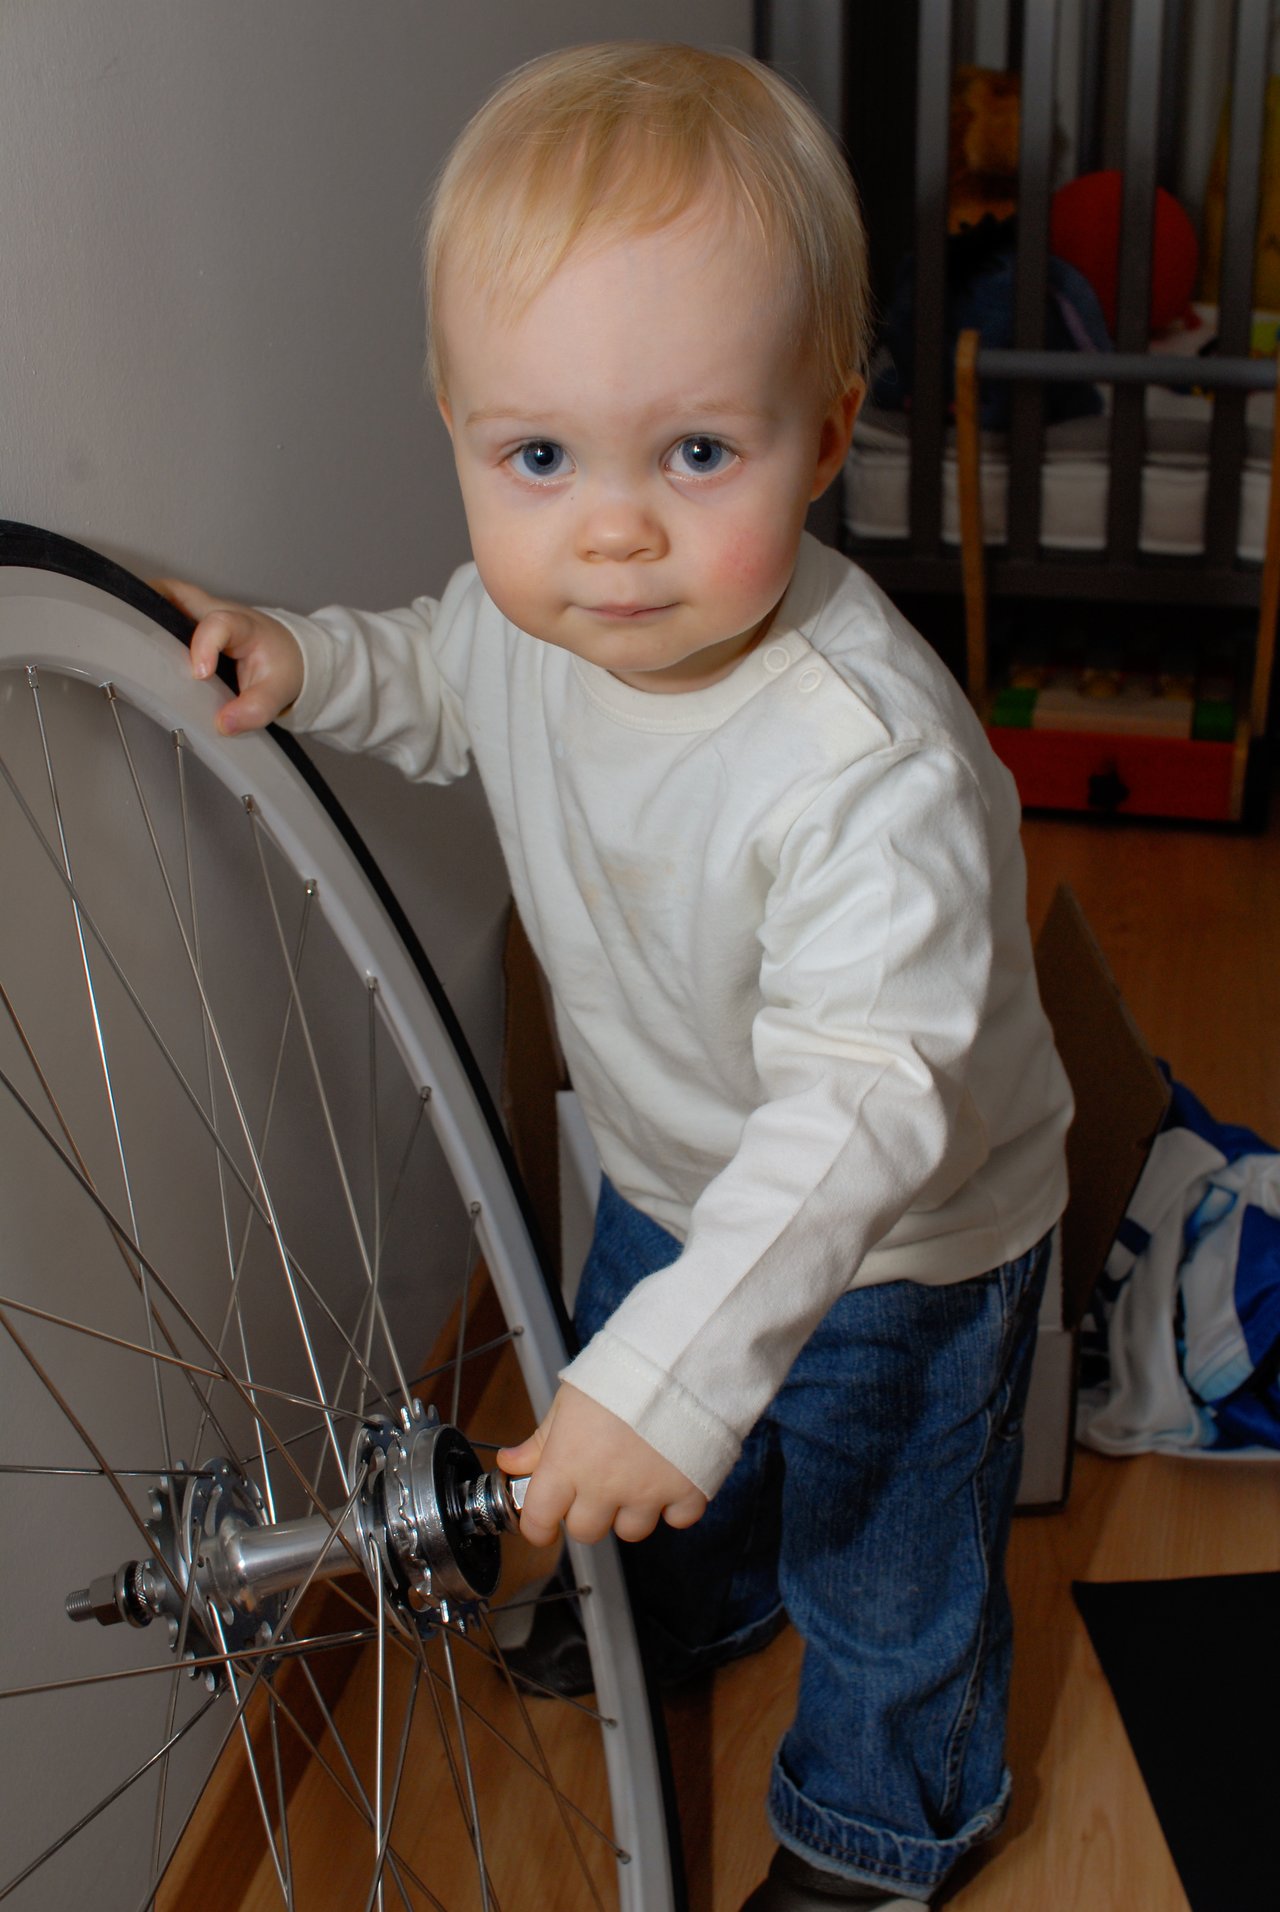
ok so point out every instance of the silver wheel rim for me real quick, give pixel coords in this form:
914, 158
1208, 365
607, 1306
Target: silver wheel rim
81, 764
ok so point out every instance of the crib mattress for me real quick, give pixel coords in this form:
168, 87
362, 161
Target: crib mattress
1073, 482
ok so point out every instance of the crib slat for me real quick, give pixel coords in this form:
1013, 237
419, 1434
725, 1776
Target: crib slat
1089, 110
1228, 437
964, 31
1133, 301
1170, 110
1014, 25
1141, 120
1035, 162
1250, 65
928, 398
1130, 368
1082, 576
1269, 597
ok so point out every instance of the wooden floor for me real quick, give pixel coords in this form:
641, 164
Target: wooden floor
1191, 925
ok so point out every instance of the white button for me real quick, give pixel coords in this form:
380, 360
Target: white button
810, 679
776, 659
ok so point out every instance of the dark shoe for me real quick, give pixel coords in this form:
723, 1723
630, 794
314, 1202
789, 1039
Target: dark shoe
552, 1659
550, 1655
792, 1885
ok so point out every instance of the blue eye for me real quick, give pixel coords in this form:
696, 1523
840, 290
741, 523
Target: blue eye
701, 455
540, 458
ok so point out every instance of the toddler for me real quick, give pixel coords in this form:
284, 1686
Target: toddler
773, 874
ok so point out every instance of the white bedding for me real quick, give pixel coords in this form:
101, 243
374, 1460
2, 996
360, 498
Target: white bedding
1073, 484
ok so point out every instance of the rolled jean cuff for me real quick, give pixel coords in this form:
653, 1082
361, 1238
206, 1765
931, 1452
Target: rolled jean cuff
874, 1855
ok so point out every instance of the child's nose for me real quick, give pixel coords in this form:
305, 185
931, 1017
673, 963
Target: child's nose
618, 526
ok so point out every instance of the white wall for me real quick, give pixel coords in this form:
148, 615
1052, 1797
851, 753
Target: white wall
211, 330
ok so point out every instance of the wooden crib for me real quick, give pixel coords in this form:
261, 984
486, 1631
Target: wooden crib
1141, 517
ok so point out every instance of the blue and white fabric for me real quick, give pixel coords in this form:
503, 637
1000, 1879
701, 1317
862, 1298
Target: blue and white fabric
1181, 1351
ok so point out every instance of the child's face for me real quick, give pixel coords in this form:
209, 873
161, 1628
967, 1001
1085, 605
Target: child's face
637, 449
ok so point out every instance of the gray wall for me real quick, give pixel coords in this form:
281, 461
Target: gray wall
210, 351
212, 332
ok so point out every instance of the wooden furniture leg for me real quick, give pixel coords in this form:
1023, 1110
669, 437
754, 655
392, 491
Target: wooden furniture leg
972, 553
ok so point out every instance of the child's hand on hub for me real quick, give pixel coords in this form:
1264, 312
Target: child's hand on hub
268, 663
592, 1471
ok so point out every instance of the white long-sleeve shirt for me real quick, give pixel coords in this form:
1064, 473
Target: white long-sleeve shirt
784, 923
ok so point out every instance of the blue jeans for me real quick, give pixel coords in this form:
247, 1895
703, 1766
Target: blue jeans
871, 1506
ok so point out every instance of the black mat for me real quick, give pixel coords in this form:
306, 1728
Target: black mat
1195, 1669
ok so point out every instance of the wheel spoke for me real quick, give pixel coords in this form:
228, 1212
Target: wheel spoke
389, 1814
339, 1162
43, 1376
533, 1768
223, 1371
171, 1712
380, 1727
282, 1799
92, 1473
235, 1259
464, 1303
130, 1263
242, 1118
261, 1202
495, 1660
220, 1373
100, 1045
198, 1663
214, 1048
160, 1756
366, 1315
375, 1167
544, 1765
472, 1804
130, 1254
246, 1740
354, 1794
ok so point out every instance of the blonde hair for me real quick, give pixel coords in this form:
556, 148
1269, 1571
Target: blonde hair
599, 142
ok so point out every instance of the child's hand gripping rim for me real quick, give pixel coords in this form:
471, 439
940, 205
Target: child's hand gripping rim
269, 668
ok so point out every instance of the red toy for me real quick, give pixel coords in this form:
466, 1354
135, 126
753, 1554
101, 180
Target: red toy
1084, 229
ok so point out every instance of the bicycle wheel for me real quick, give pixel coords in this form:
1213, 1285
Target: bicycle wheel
248, 1182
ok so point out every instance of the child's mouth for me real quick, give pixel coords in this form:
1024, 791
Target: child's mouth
628, 611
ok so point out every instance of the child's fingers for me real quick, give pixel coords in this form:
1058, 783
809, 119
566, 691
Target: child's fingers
589, 1518
221, 629
635, 1523
539, 1523
687, 1511
219, 626
257, 705
522, 1459
548, 1499
188, 597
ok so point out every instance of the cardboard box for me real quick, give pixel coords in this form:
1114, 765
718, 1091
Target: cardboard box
1121, 1099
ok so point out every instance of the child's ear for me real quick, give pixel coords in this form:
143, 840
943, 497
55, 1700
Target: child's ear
445, 410
836, 431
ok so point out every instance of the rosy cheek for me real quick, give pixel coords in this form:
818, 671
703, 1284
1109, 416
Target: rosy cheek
748, 562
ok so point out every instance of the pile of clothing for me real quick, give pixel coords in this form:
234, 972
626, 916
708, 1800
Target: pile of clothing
1181, 1350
